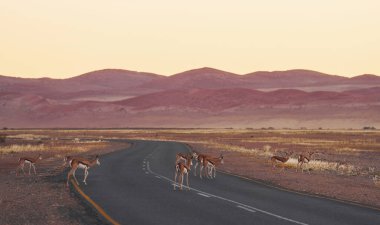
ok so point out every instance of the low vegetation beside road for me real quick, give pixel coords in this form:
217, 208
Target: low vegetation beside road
43, 199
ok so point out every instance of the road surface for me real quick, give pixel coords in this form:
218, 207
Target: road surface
134, 186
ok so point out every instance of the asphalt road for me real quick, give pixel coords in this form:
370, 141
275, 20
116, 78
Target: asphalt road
135, 186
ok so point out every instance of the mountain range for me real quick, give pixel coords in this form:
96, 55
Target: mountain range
204, 97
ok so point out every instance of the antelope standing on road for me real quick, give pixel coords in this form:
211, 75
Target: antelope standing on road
279, 159
199, 160
82, 164
31, 161
209, 165
181, 169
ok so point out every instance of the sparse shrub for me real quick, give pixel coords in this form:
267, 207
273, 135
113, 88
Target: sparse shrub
3, 138
369, 128
323, 165
267, 148
347, 169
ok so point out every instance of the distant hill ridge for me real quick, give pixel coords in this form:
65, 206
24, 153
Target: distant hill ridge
205, 71
197, 78
203, 97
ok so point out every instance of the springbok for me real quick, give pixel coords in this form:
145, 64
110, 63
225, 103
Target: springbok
303, 158
280, 159
209, 164
31, 161
199, 160
82, 164
181, 169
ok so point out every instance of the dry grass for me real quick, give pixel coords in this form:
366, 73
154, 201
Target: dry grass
21, 148
76, 147
345, 152
27, 136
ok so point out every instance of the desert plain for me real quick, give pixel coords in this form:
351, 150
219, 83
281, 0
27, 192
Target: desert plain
345, 164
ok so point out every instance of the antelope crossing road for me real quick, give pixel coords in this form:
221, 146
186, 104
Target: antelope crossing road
134, 186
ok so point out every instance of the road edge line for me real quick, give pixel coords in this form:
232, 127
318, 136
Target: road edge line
94, 204
301, 193
290, 190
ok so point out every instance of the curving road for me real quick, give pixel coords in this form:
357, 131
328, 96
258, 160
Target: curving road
134, 186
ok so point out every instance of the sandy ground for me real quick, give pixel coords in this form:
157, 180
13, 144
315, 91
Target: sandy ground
44, 199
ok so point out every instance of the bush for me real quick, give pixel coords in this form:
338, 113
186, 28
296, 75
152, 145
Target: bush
3, 137
267, 148
369, 128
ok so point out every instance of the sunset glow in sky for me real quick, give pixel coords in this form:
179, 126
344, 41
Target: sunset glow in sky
66, 38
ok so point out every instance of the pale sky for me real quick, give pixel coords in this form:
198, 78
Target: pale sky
47, 38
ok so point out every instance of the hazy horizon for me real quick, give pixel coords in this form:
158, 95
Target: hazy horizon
42, 38
152, 72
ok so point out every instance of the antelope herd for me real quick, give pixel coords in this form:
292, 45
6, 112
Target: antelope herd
73, 162
208, 165
303, 158
183, 163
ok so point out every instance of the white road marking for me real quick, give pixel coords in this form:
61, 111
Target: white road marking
158, 177
231, 201
248, 209
207, 196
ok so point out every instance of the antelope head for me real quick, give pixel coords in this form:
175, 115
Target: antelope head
97, 160
221, 157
